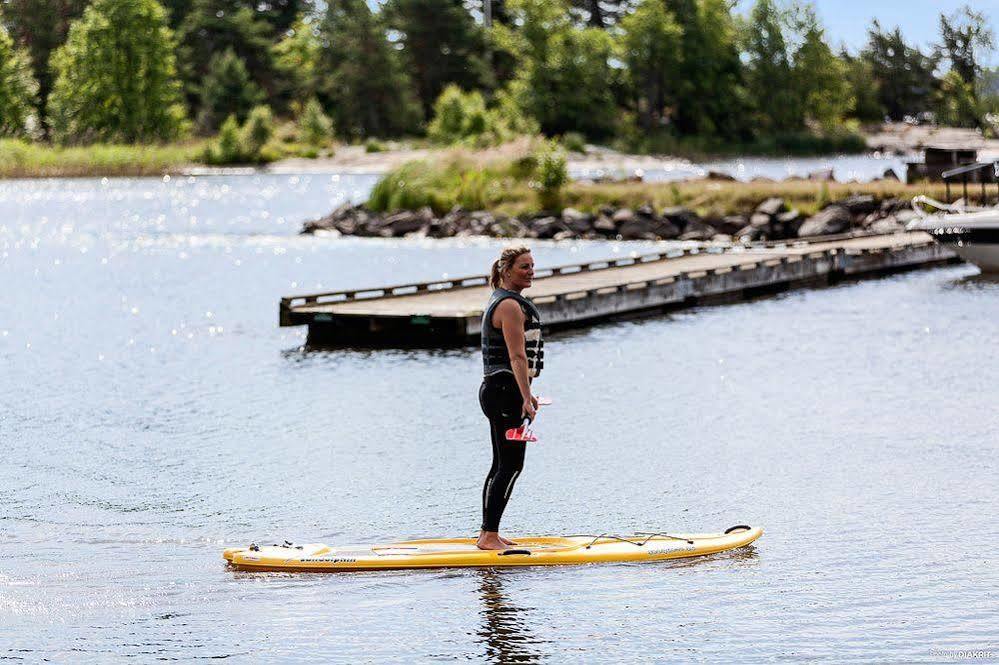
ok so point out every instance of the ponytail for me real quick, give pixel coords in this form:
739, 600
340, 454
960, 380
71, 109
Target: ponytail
506, 259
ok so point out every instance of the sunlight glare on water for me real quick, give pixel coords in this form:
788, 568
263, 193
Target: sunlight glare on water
152, 413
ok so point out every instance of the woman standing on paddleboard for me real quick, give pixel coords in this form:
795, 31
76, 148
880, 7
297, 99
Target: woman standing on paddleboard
512, 355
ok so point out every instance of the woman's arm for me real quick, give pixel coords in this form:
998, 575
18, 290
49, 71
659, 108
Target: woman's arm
509, 318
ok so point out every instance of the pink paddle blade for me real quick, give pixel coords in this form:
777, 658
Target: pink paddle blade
544, 401
522, 433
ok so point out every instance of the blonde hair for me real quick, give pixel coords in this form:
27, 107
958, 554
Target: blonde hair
503, 263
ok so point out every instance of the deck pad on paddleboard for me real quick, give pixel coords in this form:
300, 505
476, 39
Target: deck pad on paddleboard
462, 552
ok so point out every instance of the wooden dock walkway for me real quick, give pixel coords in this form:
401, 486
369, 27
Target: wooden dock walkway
448, 312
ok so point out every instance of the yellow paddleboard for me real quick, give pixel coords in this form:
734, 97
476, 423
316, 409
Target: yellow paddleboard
462, 552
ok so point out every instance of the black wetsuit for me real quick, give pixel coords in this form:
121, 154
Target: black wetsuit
502, 404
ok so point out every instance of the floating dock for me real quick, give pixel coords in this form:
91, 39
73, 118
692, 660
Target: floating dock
449, 312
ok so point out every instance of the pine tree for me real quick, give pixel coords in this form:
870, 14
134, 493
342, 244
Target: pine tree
441, 44
364, 81
227, 89
115, 76
904, 74
769, 76
819, 77
650, 49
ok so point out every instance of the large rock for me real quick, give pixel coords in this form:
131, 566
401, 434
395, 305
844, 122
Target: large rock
604, 225
638, 228
771, 206
760, 220
546, 227
833, 219
681, 217
665, 229
698, 230
888, 224
576, 221
859, 204
718, 175
731, 224
623, 216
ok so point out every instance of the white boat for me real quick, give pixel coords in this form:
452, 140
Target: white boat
973, 234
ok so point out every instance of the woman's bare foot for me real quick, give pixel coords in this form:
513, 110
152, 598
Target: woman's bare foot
490, 540
506, 541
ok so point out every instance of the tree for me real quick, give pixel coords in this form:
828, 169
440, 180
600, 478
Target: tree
956, 103
297, 60
770, 78
115, 76
650, 50
211, 27
820, 78
364, 82
903, 73
18, 88
601, 13
564, 78
965, 39
226, 90
40, 26
710, 97
860, 79
441, 44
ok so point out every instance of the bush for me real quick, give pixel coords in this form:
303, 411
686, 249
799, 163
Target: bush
574, 142
374, 145
227, 89
461, 118
552, 175
257, 131
315, 126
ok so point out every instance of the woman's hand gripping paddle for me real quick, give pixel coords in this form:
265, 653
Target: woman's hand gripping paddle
524, 432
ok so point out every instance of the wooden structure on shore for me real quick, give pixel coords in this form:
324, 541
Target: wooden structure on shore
448, 312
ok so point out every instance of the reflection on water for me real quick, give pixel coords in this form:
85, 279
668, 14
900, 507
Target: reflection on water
506, 627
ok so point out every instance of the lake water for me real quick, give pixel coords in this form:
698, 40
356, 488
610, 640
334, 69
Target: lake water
152, 412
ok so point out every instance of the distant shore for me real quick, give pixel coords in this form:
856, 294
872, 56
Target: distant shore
20, 159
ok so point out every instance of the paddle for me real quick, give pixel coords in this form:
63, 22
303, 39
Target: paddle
524, 432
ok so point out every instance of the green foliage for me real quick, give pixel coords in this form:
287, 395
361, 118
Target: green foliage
115, 76
364, 82
711, 99
650, 48
41, 26
462, 118
212, 27
297, 60
552, 174
563, 76
20, 158
242, 145
861, 82
819, 77
257, 131
966, 38
574, 142
770, 77
956, 103
903, 73
315, 126
441, 45
226, 90
374, 145
457, 180
18, 89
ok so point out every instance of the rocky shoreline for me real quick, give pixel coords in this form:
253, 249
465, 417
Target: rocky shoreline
770, 220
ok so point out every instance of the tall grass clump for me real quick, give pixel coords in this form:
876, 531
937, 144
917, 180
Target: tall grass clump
20, 158
552, 174
242, 145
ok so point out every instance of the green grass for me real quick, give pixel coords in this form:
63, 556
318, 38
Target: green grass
506, 186
22, 159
